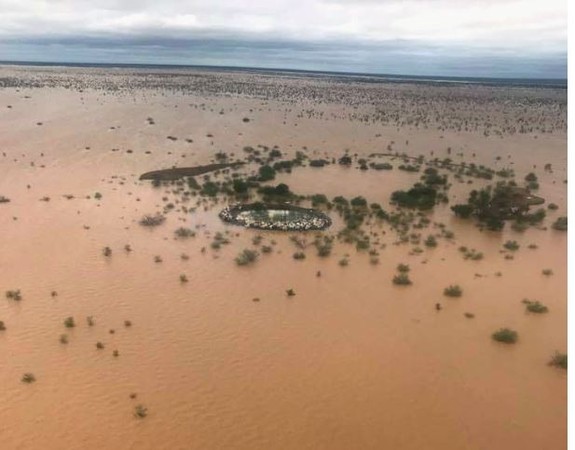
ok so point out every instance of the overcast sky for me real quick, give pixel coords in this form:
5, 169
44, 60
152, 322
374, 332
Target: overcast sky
511, 38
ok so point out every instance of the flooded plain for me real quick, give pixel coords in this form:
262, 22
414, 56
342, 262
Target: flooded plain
227, 360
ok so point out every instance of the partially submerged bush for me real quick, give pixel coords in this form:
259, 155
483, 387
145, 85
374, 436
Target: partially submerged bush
14, 295
559, 360
140, 411
560, 224
453, 291
318, 162
183, 233
494, 204
28, 378
152, 221
535, 306
505, 335
402, 279
431, 241
403, 268
246, 257
511, 245
266, 173
419, 197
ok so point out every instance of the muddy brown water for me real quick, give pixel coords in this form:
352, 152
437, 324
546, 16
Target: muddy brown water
350, 362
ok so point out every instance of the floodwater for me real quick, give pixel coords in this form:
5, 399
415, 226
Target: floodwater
350, 362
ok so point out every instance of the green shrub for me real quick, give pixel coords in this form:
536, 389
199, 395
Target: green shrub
266, 173
535, 306
358, 202
531, 177
299, 255
402, 279
240, 186
152, 221
418, 197
511, 245
281, 190
560, 224
345, 160
183, 232
69, 322
210, 189
430, 241
505, 335
403, 268
318, 162
382, 166
463, 211
453, 291
246, 257
319, 199
559, 360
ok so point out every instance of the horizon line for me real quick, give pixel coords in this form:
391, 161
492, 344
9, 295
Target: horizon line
552, 82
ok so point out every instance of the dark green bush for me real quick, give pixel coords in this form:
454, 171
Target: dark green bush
560, 224
402, 279
246, 257
505, 335
266, 173
419, 197
453, 291
535, 306
559, 360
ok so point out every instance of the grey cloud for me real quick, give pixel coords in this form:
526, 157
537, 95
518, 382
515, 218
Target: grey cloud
391, 57
514, 37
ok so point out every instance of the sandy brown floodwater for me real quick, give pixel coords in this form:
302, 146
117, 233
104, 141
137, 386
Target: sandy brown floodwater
350, 362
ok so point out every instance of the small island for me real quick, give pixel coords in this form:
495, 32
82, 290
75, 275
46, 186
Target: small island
281, 217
